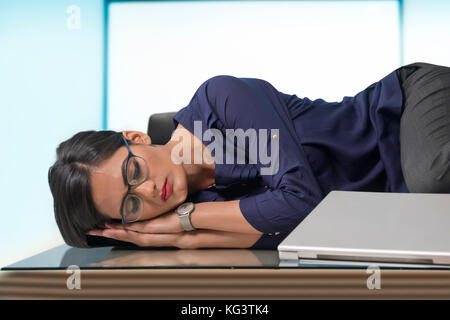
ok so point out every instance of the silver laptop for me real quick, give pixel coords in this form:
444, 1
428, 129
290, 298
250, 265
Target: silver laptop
407, 228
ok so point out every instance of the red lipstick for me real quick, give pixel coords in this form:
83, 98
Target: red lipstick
166, 191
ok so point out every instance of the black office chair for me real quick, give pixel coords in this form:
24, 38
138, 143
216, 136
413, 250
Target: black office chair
160, 128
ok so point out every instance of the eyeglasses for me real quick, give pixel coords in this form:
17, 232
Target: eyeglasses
134, 172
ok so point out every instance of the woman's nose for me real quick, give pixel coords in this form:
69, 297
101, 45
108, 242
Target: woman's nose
146, 189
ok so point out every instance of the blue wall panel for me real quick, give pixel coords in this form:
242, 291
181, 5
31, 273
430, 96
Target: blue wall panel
51, 82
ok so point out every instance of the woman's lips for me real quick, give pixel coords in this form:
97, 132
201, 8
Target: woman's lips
166, 191
163, 191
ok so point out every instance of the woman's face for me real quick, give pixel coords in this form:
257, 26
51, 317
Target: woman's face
108, 187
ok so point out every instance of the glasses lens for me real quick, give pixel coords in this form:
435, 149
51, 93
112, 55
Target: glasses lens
132, 208
136, 171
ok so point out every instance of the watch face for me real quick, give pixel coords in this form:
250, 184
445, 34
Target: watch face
185, 208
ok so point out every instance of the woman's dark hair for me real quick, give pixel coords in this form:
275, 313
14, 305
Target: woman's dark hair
69, 180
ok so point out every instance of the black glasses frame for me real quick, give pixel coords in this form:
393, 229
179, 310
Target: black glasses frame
125, 178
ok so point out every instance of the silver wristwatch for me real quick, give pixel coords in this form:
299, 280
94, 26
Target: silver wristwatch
184, 212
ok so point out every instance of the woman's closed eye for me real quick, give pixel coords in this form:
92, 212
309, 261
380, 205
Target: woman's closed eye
135, 173
132, 205
135, 205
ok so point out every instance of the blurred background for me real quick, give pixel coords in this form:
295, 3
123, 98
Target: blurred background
69, 66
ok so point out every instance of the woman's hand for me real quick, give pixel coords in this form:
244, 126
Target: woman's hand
138, 238
162, 231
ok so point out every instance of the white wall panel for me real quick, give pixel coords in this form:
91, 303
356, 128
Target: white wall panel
160, 52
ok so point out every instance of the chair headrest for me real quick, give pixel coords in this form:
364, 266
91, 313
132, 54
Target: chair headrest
160, 127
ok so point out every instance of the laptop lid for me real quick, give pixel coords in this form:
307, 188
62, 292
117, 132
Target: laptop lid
374, 226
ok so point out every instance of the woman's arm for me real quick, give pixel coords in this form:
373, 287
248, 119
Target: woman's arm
183, 240
219, 225
217, 239
222, 216
218, 216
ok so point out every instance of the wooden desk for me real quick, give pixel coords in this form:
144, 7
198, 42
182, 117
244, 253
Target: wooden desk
189, 281
225, 284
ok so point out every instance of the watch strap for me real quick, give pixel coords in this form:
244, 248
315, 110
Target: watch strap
186, 222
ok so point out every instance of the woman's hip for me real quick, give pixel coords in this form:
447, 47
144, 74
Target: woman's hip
425, 127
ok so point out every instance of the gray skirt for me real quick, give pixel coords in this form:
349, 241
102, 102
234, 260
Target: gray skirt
425, 127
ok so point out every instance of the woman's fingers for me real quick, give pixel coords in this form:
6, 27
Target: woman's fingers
166, 223
139, 239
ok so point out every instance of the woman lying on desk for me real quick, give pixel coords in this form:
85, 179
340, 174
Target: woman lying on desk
391, 137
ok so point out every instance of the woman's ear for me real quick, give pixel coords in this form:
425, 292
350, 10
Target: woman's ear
137, 137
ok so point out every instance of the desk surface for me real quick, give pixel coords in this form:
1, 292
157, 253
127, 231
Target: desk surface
61, 257
126, 258
111, 273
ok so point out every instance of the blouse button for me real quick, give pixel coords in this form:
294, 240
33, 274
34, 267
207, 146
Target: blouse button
275, 136
266, 187
277, 233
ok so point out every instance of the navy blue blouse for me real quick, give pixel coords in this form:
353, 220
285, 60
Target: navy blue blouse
323, 146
